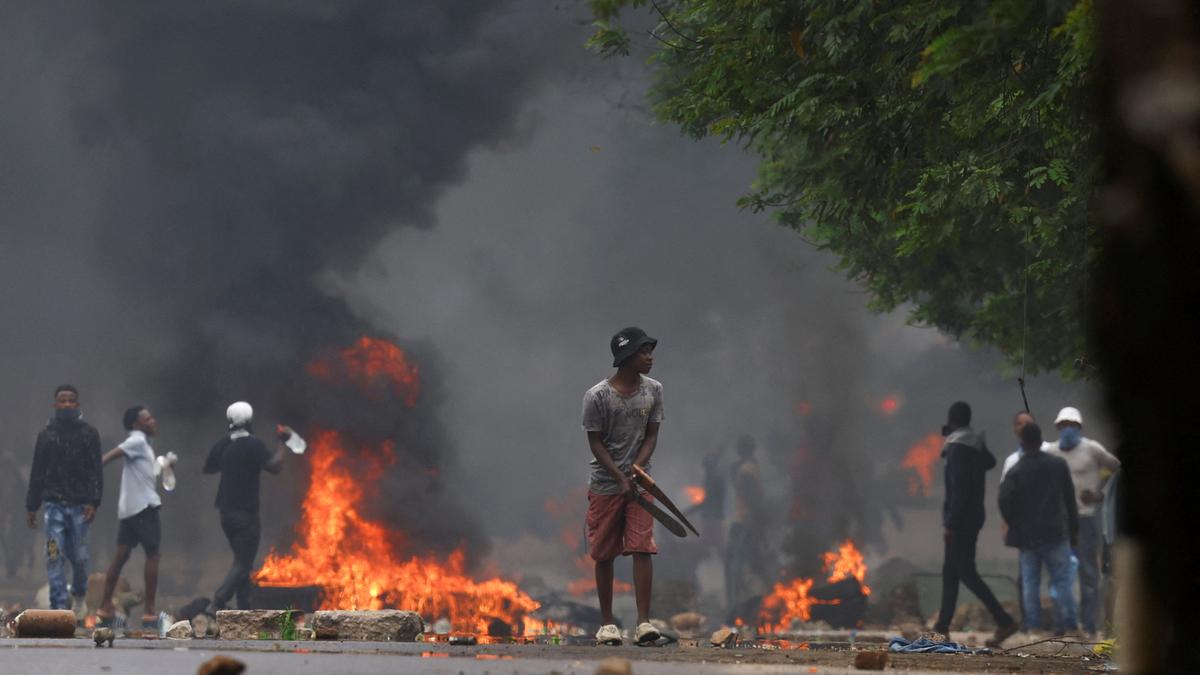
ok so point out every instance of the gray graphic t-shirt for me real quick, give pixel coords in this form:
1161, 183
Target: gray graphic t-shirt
621, 421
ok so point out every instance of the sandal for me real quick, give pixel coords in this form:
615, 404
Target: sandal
103, 621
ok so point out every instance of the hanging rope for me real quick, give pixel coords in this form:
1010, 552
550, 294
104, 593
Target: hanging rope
1024, 318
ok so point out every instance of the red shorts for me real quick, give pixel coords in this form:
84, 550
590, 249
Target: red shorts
618, 527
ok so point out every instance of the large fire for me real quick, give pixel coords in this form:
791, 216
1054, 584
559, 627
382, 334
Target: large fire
921, 458
374, 365
354, 559
790, 602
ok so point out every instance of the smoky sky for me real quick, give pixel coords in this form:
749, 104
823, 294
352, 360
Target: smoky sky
199, 197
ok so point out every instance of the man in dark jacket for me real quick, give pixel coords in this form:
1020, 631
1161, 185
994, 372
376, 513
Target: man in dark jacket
1037, 501
67, 478
967, 461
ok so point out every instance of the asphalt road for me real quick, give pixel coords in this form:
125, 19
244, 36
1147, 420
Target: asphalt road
80, 657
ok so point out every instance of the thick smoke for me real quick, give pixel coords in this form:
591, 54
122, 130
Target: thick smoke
613, 220
191, 188
215, 158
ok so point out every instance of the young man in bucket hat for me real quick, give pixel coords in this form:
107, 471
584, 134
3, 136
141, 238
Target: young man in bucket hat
621, 415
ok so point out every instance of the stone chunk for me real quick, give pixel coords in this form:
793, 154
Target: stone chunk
251, 624
723, 637
871, 660
386, 625
180, 630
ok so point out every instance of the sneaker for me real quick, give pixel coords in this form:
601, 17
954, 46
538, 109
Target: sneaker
646, 633
609, 634
1002, 633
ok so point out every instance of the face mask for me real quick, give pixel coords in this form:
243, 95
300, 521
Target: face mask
1069, 437
67, 414
946, 430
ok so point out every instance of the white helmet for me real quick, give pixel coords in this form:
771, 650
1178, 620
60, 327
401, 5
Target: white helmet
239, 414
1069, 414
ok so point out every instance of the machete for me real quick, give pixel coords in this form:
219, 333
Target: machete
642, 478
660, 515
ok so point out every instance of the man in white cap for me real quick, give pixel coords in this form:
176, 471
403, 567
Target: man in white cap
240, 457
1090, 466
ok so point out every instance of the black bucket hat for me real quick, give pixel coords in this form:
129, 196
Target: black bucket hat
627, 342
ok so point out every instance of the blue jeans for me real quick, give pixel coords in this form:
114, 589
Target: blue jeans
1088, 553
1057, 559
66, 540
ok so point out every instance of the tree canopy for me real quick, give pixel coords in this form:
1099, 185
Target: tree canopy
943, 151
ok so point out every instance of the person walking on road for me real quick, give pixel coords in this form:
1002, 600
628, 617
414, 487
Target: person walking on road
967, 461
137, 510
240, 458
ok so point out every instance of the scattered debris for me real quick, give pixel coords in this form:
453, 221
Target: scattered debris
221, 665
202, 626
615, 667
44, 623
250, 624
871, 660
385, 625
688, 624
180, 630
723, 637
102, 635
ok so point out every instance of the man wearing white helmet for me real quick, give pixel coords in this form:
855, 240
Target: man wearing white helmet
240, 457
1090, 466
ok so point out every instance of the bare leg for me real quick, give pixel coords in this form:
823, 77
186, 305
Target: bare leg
110, 580
604, 589
643, 579
151, 578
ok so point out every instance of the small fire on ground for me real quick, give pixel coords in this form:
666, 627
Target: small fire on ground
791, 601
694, 493
355, 559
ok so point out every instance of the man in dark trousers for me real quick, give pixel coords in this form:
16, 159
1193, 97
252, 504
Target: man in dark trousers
1037, 502
67, 477
967, 462
239, 458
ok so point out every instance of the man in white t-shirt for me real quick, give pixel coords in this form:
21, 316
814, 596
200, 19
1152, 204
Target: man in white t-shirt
1090, 465
137, 509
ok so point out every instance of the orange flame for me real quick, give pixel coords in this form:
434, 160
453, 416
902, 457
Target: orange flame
790, 601
695, 494
352, 558
921, 458
373, 364
846, 562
